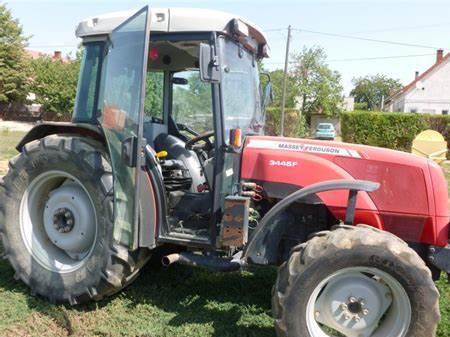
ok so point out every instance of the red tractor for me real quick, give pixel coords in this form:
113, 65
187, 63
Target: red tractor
166, 152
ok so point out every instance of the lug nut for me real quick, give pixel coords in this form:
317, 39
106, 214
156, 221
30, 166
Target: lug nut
343, 306
67, 214
352, 299
70, 222
347, 317
365, 312
357, 319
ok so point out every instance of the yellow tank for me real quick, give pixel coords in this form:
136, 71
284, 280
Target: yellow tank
430, 144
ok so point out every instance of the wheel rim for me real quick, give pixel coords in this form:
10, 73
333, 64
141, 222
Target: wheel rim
359, 302
58, 222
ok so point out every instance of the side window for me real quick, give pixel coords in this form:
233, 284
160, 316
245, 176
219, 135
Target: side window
154, 97
192, 101
85, 108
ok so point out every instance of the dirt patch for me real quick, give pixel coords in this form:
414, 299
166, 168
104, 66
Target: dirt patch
37, 325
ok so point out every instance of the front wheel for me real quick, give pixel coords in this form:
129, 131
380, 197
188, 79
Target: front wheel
355, 282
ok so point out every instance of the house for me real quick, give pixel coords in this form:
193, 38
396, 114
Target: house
429, 92
348, 103
57, 55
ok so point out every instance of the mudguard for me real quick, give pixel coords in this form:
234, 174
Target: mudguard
50, 128
263, 247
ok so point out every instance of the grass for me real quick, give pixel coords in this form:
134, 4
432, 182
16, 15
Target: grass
179, 301
8, 141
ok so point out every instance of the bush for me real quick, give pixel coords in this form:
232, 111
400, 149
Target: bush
294, 123
391, 130
54, 82
361, 106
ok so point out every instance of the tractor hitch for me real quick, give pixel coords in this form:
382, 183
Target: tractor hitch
210, 262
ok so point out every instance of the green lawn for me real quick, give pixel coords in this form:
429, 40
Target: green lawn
178, 301
8, 141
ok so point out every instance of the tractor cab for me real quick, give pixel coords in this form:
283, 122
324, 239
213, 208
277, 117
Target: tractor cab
182, 86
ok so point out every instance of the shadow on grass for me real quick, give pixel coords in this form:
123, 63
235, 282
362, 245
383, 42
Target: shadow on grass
232, 304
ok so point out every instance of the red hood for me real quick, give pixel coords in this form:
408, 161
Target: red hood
411, 186
333, 148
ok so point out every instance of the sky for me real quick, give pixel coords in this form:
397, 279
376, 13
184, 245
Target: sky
342, 28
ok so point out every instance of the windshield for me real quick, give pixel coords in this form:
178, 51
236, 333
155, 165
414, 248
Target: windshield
240, 90
324, 126
192, 101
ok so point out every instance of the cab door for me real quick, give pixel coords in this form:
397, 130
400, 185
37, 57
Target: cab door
121, 103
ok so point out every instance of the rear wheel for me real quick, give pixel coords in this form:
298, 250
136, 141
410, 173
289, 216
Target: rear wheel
56, 221
355, 282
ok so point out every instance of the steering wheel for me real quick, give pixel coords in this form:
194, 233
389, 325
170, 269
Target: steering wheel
190, 144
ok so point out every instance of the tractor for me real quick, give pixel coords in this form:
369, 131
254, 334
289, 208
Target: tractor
166, 157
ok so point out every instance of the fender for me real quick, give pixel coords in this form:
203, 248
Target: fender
263, 245
50, 128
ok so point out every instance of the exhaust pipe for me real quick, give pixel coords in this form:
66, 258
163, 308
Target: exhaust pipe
211, 262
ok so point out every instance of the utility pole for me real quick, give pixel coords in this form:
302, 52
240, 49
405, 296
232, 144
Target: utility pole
286, 63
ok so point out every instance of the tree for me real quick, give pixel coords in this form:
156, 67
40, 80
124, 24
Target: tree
276, 77
13, 61
192, 103
371, 89
153, 104
54, 82
319, 88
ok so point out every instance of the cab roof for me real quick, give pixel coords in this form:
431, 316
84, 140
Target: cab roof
172, 20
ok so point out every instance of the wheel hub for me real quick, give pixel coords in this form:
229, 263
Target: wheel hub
63, 220
69, 220
353, 304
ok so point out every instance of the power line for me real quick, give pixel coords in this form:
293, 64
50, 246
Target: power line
364, 38
274, 30
379, 58
365, 58
353, 37
396, 29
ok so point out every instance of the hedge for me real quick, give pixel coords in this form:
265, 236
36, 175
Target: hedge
294, 124
391, 130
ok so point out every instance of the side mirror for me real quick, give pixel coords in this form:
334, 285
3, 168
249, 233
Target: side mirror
209, 64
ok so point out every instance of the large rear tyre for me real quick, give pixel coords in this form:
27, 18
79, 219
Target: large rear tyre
56, 222
355, 282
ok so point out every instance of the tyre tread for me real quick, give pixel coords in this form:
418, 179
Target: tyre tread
342, 237
122, 267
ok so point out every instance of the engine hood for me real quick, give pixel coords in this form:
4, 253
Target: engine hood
413, 189
329, 149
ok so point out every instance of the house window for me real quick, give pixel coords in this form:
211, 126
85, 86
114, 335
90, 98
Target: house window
413, 110
445, 112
